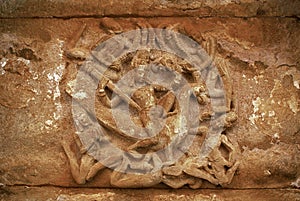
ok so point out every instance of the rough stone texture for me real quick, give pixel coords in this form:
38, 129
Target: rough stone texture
263, 53
74, 194
265, 76
134, 8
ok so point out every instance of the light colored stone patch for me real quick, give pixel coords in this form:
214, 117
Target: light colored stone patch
107, 196
296, 76
293, 104
256, 104
54, 79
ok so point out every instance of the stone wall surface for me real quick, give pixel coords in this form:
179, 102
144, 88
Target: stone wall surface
258, 40
74, 194
147, 8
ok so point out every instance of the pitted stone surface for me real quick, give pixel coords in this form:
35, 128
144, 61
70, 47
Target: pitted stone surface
39, 59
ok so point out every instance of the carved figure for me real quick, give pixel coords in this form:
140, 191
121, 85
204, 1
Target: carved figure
170, 151
216, 168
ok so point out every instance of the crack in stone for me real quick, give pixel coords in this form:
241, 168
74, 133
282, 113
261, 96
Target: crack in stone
142, 16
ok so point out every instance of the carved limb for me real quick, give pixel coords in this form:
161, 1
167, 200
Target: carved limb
94, 170
199, 130
214, 168
87, 168
111, 26
194, 170
178, 182
197, 183
112, 161
232, 150
116, 99
175, 178
218, 162
229, 174
143, 144
127, 180
83, 150
167, 102
210, 47
227, 82
79, 172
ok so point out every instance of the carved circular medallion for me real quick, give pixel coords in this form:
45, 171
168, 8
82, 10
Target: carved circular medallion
148, 99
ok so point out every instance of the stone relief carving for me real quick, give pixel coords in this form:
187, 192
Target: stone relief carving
156, 151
